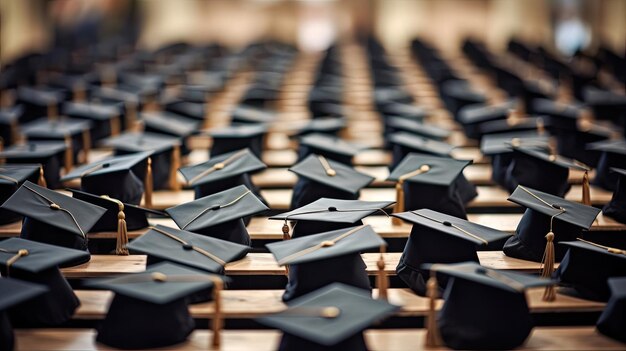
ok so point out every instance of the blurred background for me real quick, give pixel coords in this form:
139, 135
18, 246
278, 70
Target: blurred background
311, 25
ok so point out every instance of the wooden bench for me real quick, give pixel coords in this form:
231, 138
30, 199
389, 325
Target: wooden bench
541, 338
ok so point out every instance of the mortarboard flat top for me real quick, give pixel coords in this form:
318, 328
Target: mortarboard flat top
404, 110
153, 285
69, 214
190, 249
618, 287
551, 159
217, 208
434, 170
17, 173
509, 125
93, 111
139, 142
107, 166
326, 245
115, 94
252, 114
498, 279
330, 143
503, 143
463, 90
38, 96
170, 123
11, 114
472, 114
238, 131
418, 128
577, 214
55, 128
221, 167
355, 307
335, 210
421, 144
451, 225
322, 125
40, 256
112, 207
14, 292
337, 176
33, 150
554, 108
594, 248
610, 146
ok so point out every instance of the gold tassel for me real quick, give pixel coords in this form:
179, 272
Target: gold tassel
548, 267
42, 180
148, 185
541, 127
122, 232
399, 206
79, 93
586, 192
131, 116
383, 282
433, 339
86, 145
174, 165
116, 126
286, 235
69, 154
53, 113
218, 285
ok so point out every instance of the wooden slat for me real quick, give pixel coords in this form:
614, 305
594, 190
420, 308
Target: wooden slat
541, 338
105, 265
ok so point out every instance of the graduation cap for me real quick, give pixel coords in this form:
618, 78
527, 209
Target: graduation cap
404, 143
219, 215
330, 126
191, 109
440, 238
530, 166
128, 97
612, 322
512, 124
9, 122
394, 124
560, 219
53, 218
613, 154
330, 318
12, 176
326, 109
119, 177
51, 155
574, 270
75, 133
319, 177
252, 115
424, 181
223, 172
14, 292
171, 124
329, 214
473, 116
150, 309
500, 148
165, 154
105, 118
202, 252
616, 208
119, 217
458, 94
404, 110
39, 102
39, 263
490, 303
237, 137
331, 147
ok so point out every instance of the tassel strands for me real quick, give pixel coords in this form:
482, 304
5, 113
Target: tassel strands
148, 184
42, 180
216, 324
383, 281
399, 206
175, 164
433, 338
586, 196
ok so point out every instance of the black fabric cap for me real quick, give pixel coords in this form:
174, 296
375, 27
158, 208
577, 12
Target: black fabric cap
322, 125
235, 163
46, 129
472, 116
9, 120
356, 308
334, 210
416, 127
237, 137
338, 176
329, 146
169, 124
249, 114
40, 257
616, 208
613, 155
503, 143
404, 143
49, 154
12, 176
612, 321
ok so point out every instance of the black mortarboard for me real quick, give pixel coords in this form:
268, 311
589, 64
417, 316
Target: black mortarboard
219, 215
223, 172
329, 146
39, 263
606, 104
13, 292
404, 143
330, 126
458, 94
440, 238
587, 266
165, 154
12, 176
73, 132
425, 181
203, 252
319, 177
150, 309
9, 121
612, 321
53, 218
251, 115
119, 177
331, 318
47, 153
326, 109
513, 124
406, 111
530, 166
500, 148
237, 137
173, 125
616, 208
105, 118
191, 109
472, 116
330, 214
131, 101
484, 309
39, 102
568, 219
416, 127
613, 155
323, 95
389, 95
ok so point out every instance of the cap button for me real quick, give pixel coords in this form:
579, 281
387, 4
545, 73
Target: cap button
446, 223
552, 158
159, 277
216, 207
331, 172
32, 147
424, 168
218, 166
332, 209
516, 142
106, 165
327, 243
55, 206
187, 247
557, 206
